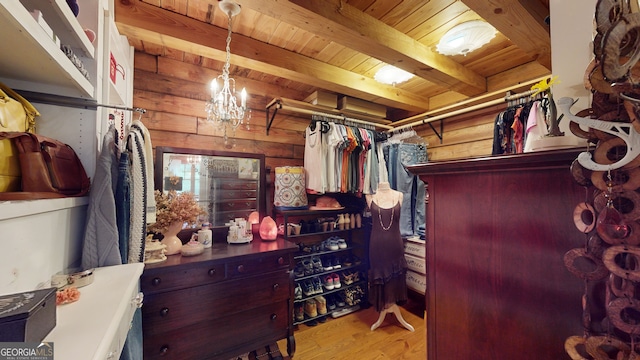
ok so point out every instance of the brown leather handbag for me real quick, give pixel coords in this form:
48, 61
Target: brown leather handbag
50, 168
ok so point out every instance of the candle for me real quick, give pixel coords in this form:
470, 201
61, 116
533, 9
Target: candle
243, 97
214, 88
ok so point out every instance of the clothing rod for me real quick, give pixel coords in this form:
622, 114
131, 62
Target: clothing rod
338, 117
492, 94
60, 100
521, 95
483, 105
452, 113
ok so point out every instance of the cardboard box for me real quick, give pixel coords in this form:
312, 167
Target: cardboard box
361, 106
323, 99
27, 316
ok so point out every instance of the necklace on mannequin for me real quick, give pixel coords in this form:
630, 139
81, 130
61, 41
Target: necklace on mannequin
386, 228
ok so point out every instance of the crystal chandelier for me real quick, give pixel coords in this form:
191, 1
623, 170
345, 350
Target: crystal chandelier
222, 108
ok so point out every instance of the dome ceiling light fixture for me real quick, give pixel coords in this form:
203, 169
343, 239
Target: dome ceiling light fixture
466, 37
392, 75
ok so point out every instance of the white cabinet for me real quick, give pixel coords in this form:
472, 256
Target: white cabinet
414, 252
45, 236
95, 327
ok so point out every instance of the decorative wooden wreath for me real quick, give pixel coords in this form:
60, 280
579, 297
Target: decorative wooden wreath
609, 259
615, 311
620, 44
596, 346
599, 271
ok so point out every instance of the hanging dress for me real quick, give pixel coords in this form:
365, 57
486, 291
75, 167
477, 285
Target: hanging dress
388, 266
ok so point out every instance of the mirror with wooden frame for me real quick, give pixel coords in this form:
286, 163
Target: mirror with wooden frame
227, 185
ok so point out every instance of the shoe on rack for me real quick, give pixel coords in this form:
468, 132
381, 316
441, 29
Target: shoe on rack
310, 308
347, 277
331, 303
317, 265
299, 311
298, 292
342, 244
332, 244
328, 282
321, 304
307, 265
340, 299
317, 286
308, 288
347, 261
336, 263
336, 280
298, 271
327, 264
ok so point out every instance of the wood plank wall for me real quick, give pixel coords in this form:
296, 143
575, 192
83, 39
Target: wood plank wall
174, 90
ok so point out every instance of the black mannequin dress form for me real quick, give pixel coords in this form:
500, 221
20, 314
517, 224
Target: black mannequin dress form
388, 265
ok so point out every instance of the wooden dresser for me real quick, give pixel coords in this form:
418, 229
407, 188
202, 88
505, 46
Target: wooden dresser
497, 230
228, 301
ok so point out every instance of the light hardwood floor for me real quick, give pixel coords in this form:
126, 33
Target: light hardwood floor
350, 337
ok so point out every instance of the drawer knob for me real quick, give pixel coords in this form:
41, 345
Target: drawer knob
273, 317
212, 272
156, 281
164, 311
276, 287
164, 350
240, 268
280, 260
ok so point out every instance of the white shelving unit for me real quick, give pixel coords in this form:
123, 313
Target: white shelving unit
31, 60
45, 236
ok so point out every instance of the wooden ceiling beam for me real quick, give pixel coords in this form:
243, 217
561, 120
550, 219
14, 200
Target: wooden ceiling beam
521, 21
344, 24
152, 24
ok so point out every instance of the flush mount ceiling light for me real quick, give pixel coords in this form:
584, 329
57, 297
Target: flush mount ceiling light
466, 37
391, 75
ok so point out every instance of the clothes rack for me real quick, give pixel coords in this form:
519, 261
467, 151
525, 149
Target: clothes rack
425, 119
59, 100
304, 108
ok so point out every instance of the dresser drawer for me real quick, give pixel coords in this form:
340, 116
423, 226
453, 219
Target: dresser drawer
238, 185
180, 277
241, 204
182, 308
417, 282
238, 194
416, 264
221, 338
415, 247
257, 266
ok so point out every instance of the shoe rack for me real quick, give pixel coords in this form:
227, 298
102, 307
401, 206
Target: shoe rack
330, 265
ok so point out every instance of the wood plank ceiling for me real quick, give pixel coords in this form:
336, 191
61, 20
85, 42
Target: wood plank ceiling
336, 46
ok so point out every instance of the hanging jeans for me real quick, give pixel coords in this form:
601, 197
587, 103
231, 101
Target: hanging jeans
123, 206
132, 349
412, 215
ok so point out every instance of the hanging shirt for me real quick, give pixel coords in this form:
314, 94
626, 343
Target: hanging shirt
333, 141
536, 127
313, 160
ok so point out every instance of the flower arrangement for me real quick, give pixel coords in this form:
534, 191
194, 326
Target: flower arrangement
175, 207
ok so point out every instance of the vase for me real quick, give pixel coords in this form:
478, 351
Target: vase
171, 239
